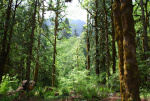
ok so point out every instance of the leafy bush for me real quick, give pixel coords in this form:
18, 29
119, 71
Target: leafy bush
4, 87
8, 85
65, 91
113, 82
144, 70
6, 98
82, 83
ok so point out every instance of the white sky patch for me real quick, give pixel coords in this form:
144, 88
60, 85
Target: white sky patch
74, 11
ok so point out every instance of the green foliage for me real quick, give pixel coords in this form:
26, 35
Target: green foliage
83, 84
65, 91
39, 91
144, 70
4, 87
69, 53
8, 85
145, 93
8, 98
113, 82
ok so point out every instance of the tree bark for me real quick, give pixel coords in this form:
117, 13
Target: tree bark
54, 51
119, 39
130, 63
113, 41
147, 15
106, 33
29, 55
77, 58
54, 45
4, 52
37, 62
38, 47
88, 45
145, 42
96, 39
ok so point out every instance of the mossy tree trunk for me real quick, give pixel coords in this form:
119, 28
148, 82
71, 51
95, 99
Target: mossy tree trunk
119, 39
102, 44
131, 78
29, 55
96, 39
106, 34
113, 41
5, 45
147, 15
54, 45
54, 51
88, 44
145, 42
39, 39
37, 61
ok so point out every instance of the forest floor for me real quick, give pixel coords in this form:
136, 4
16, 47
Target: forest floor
115, 97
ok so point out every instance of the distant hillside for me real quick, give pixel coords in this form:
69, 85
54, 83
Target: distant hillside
74, 24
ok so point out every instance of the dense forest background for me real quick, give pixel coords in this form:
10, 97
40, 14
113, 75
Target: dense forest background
106, 55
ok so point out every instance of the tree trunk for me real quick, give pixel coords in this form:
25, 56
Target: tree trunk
5, 53
130, 63
54, 52
96, 39
38, 47
145, 43
88, 45
22, 69
54, 45
113, 41
37, 62
106, 33
119, 39
147, 15
77, 59
29, 55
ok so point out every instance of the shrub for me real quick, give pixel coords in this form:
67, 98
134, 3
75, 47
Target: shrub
85, 85
144, 70
65, 91
113, 82
4, 87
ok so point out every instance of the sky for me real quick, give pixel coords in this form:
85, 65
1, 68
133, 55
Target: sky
74, 11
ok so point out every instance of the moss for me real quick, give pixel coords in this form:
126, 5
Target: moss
127, 4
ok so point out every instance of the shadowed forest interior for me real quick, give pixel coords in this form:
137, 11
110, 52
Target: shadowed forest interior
74, 50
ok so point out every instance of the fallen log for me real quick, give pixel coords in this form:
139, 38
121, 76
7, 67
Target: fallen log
22, 87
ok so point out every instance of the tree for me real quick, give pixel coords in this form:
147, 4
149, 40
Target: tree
66, 31
39, 41
29, 55
7, 36
54, 49
75, 33
97, 69
57, 10
119, 39
88, 44
113, 40
130, 63
106, 33
145, 42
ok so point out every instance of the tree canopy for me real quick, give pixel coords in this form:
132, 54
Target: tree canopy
49, 59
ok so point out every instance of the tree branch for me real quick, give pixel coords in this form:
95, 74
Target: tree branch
85, 8
48, 39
